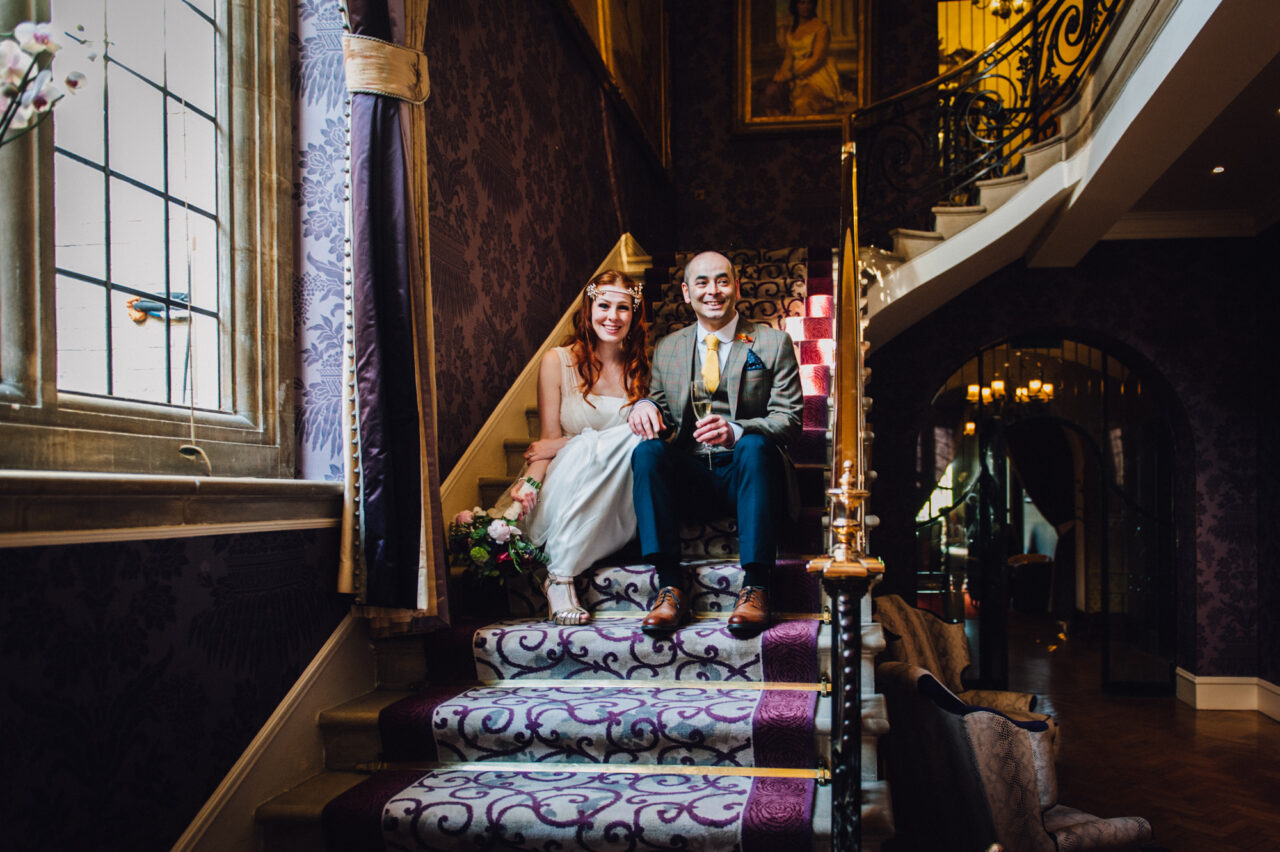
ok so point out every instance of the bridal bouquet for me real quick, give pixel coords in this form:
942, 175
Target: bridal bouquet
488, 544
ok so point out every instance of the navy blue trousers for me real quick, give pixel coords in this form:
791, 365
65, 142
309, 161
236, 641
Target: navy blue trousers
672, 484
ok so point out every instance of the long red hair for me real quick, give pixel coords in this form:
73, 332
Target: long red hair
582, 342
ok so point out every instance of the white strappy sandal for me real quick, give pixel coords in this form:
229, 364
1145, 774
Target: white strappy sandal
572, 615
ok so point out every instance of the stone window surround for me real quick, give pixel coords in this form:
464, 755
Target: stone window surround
44, 430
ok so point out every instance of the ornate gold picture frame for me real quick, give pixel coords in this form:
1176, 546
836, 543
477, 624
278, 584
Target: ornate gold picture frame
800, 63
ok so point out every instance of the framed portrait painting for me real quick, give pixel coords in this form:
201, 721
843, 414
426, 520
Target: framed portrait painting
801, 63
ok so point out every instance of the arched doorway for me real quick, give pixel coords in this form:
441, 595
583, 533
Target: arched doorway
1053, 461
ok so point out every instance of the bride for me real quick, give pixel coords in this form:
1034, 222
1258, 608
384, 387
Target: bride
576, 492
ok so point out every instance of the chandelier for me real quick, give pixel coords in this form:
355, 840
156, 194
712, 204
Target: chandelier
1004, 8
1036, 390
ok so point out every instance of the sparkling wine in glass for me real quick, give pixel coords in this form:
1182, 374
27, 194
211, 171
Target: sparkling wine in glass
701, 401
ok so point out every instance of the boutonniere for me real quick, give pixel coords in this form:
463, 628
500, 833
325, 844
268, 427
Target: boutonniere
745, 338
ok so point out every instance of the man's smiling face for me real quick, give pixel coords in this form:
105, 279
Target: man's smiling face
711, 289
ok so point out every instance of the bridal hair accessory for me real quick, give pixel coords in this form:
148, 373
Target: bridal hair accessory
635, 292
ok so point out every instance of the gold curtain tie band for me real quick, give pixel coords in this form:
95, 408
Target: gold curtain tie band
377, 67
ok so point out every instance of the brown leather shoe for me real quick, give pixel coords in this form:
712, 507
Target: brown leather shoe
750, 613
669, 611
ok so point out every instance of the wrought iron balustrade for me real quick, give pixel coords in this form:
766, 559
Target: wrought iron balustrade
930, 145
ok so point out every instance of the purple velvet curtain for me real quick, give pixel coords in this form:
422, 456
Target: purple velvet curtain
401, 531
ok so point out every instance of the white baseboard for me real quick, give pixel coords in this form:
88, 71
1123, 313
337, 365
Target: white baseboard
1228, 693
288, 749
1269, 699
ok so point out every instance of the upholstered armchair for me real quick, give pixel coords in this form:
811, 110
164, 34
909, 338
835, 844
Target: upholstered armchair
918, 637
963, 777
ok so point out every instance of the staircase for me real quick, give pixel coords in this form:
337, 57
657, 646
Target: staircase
1040, 176
510, 732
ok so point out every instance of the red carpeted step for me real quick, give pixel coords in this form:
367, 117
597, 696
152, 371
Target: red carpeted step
817, 414
818, 352
819, 306
810, 447
809, 328
815, 379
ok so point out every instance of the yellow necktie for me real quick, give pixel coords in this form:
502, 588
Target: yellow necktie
711, 365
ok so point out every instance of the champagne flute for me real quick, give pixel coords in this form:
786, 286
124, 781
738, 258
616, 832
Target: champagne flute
701, 401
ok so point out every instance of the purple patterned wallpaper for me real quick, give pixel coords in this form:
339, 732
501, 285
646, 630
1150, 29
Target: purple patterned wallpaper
136, 673
1188, 308
749, 191
533, 177
756, 191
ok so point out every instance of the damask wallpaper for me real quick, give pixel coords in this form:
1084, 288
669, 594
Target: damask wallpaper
740, 191
136, 673
1191, 309
533, 177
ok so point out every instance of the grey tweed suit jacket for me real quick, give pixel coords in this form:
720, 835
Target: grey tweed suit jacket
764, 399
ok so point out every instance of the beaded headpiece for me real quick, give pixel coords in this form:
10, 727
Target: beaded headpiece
634, 291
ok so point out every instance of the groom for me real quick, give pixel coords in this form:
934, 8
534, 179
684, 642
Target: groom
756, 405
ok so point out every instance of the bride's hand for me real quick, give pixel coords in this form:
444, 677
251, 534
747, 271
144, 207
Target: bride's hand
524, 494
544, 449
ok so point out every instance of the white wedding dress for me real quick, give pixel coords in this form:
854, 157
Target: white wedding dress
585, 511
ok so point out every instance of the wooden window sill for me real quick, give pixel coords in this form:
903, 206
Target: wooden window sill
38, 509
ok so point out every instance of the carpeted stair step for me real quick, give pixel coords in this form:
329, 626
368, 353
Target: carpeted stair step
609, 722
578, 809
813, 481
714, 584
813, 446
809, 532
616, 648
290, 822
350, 730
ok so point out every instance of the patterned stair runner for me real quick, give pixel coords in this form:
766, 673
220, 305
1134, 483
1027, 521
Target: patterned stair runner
610, 715
535, 736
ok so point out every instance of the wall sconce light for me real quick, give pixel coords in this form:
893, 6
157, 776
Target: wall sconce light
972, 395
970, 428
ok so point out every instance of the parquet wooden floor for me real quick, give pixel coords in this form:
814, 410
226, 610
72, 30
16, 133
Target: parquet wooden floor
1208, 780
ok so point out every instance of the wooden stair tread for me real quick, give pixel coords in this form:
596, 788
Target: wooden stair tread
916, 235
1007, 180
362, 710
304, 802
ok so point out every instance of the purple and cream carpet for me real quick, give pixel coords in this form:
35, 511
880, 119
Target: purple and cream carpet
599, 737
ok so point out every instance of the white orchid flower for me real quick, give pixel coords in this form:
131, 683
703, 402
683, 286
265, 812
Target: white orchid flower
14, 63
36, 38
22, 117
43, 93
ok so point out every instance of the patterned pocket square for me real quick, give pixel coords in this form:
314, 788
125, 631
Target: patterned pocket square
753, 361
